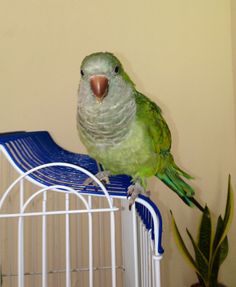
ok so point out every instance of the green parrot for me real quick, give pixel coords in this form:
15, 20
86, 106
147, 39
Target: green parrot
124, 130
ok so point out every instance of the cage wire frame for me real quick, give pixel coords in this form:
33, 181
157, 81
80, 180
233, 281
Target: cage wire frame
141, 270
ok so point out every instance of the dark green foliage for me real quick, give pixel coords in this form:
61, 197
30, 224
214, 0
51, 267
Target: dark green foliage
204, 236
211, 247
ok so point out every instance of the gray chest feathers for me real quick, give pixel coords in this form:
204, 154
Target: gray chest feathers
102, 125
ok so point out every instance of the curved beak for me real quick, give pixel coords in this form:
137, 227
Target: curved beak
99, 86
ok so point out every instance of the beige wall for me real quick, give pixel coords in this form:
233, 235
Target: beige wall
179, 53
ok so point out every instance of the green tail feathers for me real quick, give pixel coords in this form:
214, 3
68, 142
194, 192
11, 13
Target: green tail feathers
172, 178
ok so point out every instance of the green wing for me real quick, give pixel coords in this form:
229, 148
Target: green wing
159, 134
150, 114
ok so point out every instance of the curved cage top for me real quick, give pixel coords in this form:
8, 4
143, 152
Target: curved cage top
28, 150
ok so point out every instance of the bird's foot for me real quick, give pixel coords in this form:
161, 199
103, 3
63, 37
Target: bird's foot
147, 193
133, 191
103, 176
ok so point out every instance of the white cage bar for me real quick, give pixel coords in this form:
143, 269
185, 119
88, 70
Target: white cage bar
113, 247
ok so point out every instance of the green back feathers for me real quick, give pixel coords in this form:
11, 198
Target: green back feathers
150, 114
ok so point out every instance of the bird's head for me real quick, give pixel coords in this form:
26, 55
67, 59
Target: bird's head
102, 77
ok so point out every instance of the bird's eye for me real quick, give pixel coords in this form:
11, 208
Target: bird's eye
117, 69
82, 73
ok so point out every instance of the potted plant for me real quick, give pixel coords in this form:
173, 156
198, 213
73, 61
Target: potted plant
211, 247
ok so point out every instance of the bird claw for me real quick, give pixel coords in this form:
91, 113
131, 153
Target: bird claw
133, 191
148, 193
103, 176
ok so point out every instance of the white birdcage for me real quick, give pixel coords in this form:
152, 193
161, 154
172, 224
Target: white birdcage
55, 231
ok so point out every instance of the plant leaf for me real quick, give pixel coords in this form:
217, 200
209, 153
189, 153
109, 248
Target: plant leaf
224, 247
229, 206
228, 217
182, 247
219, 232
201, 261
205, 234
200, 280
219, 258
222, 250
